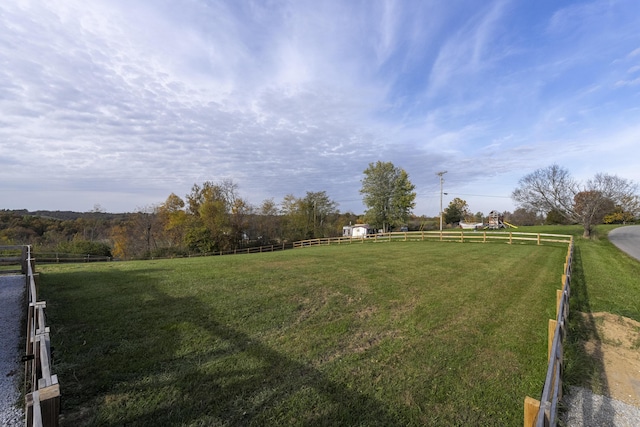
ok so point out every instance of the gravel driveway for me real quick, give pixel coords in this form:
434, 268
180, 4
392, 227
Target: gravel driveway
12, 289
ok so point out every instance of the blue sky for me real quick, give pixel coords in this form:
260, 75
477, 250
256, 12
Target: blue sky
120, 103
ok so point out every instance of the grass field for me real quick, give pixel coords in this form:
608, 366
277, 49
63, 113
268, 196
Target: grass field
417, 333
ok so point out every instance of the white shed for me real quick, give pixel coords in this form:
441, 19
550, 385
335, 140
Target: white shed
358, 230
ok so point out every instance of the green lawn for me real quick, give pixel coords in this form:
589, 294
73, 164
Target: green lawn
417, 333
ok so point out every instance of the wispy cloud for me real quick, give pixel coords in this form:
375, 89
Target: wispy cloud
122, 103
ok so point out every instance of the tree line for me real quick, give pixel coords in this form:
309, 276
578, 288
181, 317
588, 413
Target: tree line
214, 217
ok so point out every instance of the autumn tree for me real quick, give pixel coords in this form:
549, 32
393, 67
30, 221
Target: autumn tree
173, 218
218, 217
590, 207
388, 195
137, 235
618, 216
552, 189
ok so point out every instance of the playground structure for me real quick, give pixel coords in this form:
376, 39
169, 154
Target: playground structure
495, 222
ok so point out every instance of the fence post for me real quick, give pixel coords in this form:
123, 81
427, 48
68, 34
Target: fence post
559, 295
531, 408
552, 334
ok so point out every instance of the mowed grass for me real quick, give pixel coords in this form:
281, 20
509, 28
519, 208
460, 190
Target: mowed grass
604, 280
416, 333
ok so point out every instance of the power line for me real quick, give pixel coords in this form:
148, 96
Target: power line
479, 195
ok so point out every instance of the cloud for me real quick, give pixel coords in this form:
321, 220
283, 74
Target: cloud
123, 103
469, 50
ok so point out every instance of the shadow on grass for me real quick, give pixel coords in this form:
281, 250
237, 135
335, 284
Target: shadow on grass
169, 388
584, 366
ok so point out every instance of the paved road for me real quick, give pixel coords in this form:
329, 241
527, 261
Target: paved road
627, 239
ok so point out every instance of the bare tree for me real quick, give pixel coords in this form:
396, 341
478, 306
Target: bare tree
553, 189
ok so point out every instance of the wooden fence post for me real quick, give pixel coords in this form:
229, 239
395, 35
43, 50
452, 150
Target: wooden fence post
531, 408
552, 333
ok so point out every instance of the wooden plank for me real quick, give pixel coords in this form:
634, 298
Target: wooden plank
34, 412
552, 333
531, 409
11, 247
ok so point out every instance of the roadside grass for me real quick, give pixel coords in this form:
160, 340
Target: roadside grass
415, 333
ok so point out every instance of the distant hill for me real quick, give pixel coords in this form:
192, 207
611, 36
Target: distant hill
64, 215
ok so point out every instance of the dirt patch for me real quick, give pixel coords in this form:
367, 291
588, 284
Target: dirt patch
616, 347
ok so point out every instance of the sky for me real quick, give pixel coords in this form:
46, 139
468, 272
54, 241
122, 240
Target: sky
116, 104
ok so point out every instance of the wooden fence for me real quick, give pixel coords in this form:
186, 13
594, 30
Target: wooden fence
43, 400
544, 412
13, 256
443, 236
249, 250
57, 258
42, 390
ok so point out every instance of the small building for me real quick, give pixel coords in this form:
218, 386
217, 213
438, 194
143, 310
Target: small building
358, 231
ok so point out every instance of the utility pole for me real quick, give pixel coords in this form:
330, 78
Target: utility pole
440, 174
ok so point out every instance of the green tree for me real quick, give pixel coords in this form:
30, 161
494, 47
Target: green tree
555, 217
457, 210
388, 195
294, 222
319, 210
268, 227
218, 217
523, 217
310, 217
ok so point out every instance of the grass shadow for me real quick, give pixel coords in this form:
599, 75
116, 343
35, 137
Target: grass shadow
583, 361
189, 389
